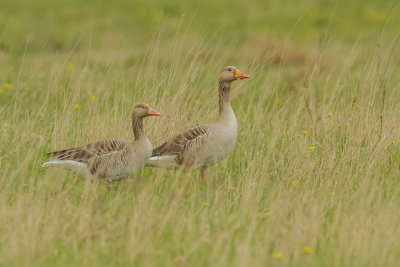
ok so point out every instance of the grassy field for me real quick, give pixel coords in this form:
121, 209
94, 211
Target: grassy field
315, 176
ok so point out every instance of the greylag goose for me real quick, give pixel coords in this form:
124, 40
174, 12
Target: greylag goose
203, 145
109, 159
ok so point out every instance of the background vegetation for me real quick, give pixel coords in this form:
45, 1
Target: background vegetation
314, 179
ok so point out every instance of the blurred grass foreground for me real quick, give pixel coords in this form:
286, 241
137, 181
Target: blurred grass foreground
314, 178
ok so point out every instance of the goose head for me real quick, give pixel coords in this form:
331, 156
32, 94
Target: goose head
231, 73
143, 110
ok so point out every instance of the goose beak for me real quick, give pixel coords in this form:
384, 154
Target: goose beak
241, 75
152, 112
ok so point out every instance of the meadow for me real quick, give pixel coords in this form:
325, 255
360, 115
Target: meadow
313, 180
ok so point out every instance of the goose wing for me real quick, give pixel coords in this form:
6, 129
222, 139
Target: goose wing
182, 142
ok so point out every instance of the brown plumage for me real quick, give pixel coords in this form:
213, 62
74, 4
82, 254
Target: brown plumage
203, 145
109, 159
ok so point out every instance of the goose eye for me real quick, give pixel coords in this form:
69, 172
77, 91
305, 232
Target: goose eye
230, 69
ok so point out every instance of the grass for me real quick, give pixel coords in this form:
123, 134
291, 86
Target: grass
313, 180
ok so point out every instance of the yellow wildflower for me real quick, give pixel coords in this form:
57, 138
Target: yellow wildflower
277, 255
392, 142
376, 15
311, 148
149, 104
305, 132
264, 28
331, 193
70, 66
51, 199
295, 182
278, 102
307, 250
77, 106
205, 204
2, 91
93, 98
140, 11
311, 33
7, 86
158, 16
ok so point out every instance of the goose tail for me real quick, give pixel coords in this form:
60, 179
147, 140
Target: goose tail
167, 162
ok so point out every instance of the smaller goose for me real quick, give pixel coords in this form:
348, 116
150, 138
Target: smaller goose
109, 159
203, 145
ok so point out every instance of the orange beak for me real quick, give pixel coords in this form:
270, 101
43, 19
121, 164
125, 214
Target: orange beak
241, 75
152, 112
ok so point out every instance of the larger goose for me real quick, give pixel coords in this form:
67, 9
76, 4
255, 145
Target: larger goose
203, 145
109, 159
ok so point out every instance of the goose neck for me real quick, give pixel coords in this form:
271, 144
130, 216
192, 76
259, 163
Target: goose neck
137, 127
224, 104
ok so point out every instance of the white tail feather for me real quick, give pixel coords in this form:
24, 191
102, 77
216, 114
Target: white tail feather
64, 163
78, 167
167, 162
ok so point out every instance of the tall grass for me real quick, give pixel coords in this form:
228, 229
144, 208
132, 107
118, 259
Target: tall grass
333, 188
